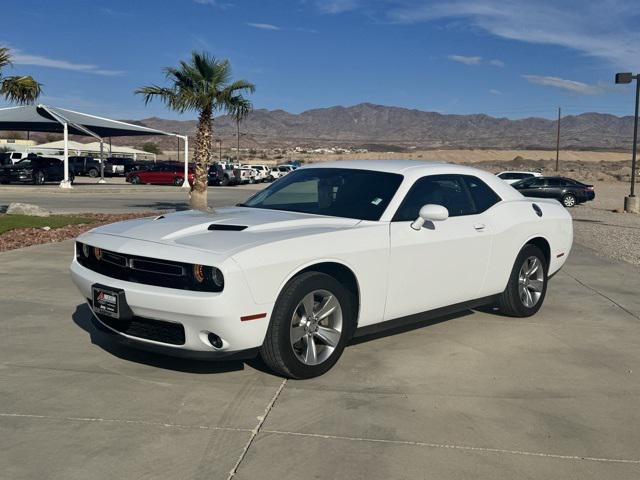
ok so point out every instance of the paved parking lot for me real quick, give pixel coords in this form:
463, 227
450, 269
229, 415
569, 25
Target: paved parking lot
475, 395
118, 197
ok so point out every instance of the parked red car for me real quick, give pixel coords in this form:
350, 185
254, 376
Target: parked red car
160, 174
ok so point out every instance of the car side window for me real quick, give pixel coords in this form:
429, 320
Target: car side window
536, 183
449, 191
483, 196
555, 182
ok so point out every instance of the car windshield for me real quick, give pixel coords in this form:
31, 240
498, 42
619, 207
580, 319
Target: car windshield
335, 192
24, 163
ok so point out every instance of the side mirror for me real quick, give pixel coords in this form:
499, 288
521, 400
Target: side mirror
430, 213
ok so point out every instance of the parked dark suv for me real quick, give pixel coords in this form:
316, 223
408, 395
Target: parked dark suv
36, 170
566, 190
85, 166
128, 164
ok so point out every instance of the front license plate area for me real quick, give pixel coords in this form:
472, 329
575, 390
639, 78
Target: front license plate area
110, 302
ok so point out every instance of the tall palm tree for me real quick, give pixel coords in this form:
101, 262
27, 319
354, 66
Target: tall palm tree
239, 108
17, 89
203, 84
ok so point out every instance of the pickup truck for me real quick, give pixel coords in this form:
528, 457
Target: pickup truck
223, 174
91, 166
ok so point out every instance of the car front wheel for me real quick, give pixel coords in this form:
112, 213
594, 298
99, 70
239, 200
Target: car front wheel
310, 326
569, 200
178, 181
135, 180
527, 285
38, 178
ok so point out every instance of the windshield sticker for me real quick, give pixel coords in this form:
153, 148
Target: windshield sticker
376, 201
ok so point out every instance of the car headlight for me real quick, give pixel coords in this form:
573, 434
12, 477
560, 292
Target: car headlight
208, 277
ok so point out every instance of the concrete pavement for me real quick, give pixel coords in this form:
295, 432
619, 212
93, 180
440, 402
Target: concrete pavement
475, 395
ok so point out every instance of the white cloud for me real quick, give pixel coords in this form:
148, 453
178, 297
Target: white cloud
493, 91
570, 85
466, 60
263, 26
337, 6
606, 30
475, 60
215, 3
20, 58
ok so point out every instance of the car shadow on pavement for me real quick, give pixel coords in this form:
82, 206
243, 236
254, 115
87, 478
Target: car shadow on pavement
109, 342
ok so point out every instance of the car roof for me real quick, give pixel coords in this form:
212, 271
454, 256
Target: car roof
415, 169
391, 166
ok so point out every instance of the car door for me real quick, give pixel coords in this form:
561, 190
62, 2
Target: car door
445, 262
554, 188
532, 187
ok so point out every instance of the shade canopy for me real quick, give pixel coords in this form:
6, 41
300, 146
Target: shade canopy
41, 118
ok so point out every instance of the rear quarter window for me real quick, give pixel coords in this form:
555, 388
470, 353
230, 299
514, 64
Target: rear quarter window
483, 195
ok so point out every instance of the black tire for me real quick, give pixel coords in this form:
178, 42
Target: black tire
569, 200
277, 351
178, 181
135, 180
93, 173
510, 302
225, 181
38, 178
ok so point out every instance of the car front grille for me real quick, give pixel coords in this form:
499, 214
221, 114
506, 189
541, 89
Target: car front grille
148, 329
148, 271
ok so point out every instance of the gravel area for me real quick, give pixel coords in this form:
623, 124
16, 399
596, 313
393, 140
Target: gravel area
599, 225
25, 237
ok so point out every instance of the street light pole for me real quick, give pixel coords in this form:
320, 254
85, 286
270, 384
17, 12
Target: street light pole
635, 140
632, 203
558, 142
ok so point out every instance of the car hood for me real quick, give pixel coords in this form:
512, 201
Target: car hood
225, 231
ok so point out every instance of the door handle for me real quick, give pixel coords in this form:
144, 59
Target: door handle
479, 227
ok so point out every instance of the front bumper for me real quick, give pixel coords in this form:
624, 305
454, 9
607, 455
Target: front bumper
199, 313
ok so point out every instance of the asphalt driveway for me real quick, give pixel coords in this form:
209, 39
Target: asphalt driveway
475, 395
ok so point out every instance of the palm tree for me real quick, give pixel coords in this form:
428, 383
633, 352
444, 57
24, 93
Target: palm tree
203, 84
239, 108
18, 89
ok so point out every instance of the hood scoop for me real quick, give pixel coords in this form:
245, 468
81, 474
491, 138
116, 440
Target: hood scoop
221, 227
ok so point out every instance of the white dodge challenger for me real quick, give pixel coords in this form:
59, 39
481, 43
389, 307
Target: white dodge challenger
330, 251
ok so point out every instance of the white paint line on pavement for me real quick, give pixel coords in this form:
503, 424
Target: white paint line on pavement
255, 431
453, 447
129, 422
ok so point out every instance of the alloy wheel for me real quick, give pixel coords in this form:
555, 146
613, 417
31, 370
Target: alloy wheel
569, 201
531, 281
316, 327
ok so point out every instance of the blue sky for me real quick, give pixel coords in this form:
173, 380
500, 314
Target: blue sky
511, 58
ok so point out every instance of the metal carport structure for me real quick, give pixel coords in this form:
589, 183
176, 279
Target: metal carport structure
43, 118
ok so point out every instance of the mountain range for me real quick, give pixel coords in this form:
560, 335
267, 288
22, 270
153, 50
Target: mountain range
379, 127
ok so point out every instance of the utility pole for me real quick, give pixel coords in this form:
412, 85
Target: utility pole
178, 147
220, 150
558, 141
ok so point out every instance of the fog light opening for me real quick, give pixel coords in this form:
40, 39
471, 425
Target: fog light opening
214, 340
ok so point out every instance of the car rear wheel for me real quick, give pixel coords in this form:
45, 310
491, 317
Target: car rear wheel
569, 200
178, 181
93, 173
310, 326
527, 285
